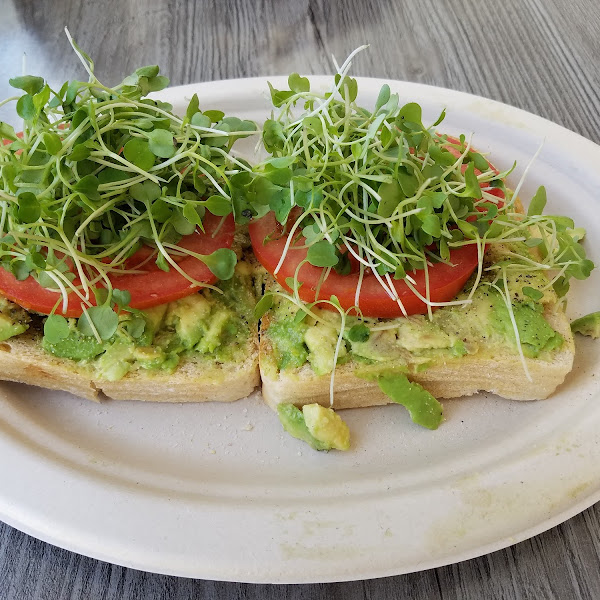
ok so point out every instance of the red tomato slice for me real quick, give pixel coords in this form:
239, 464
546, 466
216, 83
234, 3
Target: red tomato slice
147, 289
445, 281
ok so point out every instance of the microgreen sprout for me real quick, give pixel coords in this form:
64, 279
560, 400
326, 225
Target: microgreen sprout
98, 172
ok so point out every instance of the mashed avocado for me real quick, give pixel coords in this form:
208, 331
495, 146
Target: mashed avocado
410, 344
535, 335
205, 325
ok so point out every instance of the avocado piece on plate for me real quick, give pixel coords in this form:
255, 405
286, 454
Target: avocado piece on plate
320, 427
327, 426
588, 325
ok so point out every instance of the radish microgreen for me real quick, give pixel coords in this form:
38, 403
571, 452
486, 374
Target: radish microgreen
263, 305
100, 322
56, 328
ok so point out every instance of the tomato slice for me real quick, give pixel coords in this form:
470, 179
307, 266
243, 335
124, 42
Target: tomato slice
445, 281
149, 288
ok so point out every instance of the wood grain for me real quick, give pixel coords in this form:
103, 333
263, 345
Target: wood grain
540, 55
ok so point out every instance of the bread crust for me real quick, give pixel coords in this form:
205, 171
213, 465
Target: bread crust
23, 360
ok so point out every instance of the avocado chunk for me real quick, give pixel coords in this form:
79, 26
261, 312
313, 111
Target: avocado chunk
213, 336
115, 363
288, 344
154, 318
321, 341
588, 325
13, 319
10, 328
423, 408
326, 425
75, 346
380, 346
321, 428
190, 314
535, 333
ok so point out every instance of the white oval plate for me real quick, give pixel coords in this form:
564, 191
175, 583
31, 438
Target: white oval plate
220, 492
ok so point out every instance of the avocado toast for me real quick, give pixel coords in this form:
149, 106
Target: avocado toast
399, 267
121, 266
458, 352
203, 347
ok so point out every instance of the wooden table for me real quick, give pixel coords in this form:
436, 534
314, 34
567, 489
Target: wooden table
540, 55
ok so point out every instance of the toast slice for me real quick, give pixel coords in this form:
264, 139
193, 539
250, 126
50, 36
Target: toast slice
198, 377
491, 363
23, 360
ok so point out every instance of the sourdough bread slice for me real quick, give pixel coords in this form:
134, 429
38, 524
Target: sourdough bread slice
501, 373
491, 367
23, 360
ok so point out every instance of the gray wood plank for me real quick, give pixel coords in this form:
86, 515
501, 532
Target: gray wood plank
540, 55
